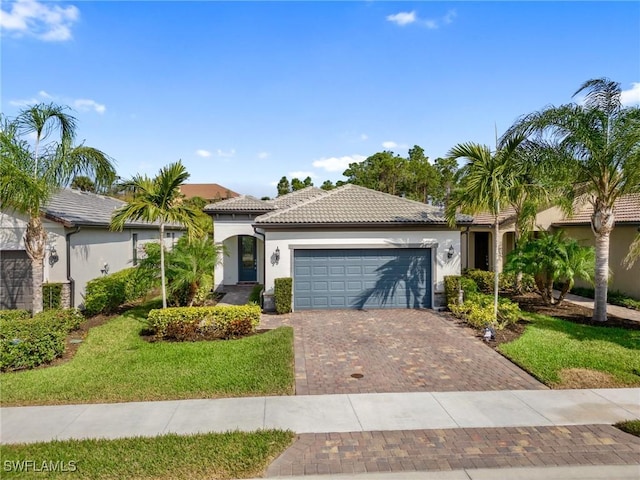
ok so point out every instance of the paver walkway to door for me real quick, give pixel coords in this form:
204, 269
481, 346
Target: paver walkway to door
355, 351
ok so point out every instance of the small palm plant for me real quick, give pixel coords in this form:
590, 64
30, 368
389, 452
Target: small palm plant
553, 259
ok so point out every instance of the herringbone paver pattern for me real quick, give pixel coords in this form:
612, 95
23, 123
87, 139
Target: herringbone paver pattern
393, 351
422, 450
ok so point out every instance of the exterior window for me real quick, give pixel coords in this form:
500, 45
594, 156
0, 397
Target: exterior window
134, 238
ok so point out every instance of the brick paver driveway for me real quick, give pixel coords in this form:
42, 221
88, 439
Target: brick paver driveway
393, 351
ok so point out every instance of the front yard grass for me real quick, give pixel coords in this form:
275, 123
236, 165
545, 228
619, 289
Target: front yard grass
115, 364
551, 349
215, 455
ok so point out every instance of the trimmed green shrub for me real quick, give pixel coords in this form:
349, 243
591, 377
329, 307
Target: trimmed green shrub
256, 295
51, 295
282, 294
477, 311
484, 279
203, 323
454, 283
13, 315
106, 294
29, 342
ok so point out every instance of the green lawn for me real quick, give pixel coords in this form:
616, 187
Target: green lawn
115, 364
216, 455
550, 345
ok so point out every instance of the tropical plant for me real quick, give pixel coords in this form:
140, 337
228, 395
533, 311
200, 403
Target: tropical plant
553, 259
190, 269
83, 183
31, 173
599, 140
159, 200
484, 186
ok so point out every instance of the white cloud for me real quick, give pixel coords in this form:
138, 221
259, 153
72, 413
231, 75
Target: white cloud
300, 175
631, 96
338, 164
406, 18
85, 105
263, 155
47, 22
80, 104
402, 18
203, 153
228, 154
364, 136
389, 144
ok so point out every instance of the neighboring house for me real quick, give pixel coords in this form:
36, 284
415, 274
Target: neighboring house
80, 246
211, 192
350, 247
477, 239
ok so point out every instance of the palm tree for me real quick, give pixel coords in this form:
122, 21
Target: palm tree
484, 186
159, 200
31, 174
601, 142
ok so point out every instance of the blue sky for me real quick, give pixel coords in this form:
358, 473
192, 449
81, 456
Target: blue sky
246, 92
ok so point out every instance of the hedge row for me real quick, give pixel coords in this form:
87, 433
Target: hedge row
203, 323
29, 342
478, 309
14, 314
106, 294
282, 294
51, 296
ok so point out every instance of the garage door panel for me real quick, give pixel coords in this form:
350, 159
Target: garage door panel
15, 280
362, 278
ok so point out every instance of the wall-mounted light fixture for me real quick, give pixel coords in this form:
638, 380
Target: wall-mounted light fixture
105, 269
53, 256
451, 252
276, 255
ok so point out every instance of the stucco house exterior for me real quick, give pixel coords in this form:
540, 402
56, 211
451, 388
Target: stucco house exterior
80, 246
477, 238
350, 247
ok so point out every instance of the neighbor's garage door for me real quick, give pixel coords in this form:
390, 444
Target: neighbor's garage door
362, 278
15, 280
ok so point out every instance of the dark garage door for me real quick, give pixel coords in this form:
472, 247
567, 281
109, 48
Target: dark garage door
15, 280
362, 278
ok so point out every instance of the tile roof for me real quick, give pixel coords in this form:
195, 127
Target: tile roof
485, 218
208, 191
626, 210
351, 204
292, 198
75, 208
243, 203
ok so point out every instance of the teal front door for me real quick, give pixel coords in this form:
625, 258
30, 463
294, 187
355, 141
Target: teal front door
248, 268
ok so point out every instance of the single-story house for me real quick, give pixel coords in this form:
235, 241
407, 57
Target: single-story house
80, 246
350, 247
477, 238
211, 192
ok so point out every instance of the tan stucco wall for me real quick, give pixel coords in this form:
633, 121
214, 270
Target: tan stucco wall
627, 281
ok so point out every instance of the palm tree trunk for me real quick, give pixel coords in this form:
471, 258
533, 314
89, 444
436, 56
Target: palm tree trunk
602, 222
162, 277
34, 243
497, 259
602, 276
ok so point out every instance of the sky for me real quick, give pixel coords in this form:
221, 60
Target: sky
247, 92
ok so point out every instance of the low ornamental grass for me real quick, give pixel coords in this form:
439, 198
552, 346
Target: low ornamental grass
215, 455
115, 364
550, 345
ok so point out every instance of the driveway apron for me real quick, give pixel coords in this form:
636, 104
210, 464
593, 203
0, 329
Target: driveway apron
376, 351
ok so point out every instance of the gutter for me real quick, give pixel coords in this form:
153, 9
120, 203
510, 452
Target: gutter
72, 282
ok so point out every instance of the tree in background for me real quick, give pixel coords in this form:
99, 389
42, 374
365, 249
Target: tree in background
31, 173
83, 183
159, 200
284, 186
327, 185
599, 142
446, 169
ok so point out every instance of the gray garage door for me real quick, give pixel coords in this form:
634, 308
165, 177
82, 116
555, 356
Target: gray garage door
15, 280
362, 278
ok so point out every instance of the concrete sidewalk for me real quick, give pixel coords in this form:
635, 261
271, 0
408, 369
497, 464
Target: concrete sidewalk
615, 310
322, 414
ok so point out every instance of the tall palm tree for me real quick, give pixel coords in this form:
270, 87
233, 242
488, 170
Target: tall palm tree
159, 200
600, 141
31, 173
484, 186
